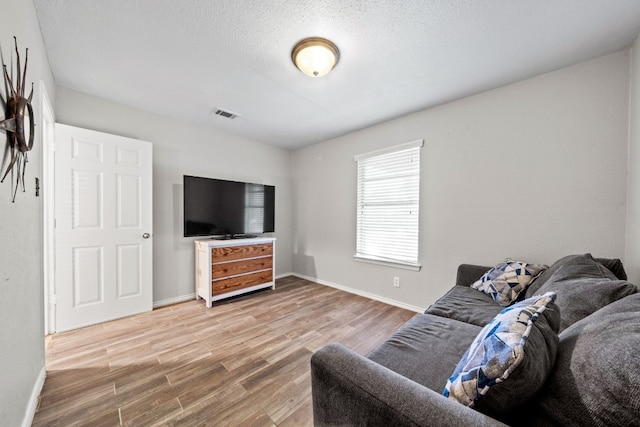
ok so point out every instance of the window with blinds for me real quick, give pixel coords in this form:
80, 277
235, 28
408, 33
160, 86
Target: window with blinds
388, 199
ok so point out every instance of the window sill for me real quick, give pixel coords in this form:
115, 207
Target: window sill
386, 262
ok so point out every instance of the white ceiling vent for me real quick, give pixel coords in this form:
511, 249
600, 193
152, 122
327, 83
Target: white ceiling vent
225, 113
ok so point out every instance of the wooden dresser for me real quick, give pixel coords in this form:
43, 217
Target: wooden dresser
225, 268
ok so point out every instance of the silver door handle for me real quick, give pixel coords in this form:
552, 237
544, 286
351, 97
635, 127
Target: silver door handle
146, 235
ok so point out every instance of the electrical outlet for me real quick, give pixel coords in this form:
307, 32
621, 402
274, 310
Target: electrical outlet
396, 282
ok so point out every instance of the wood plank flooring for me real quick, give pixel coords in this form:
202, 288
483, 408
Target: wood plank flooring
243, 362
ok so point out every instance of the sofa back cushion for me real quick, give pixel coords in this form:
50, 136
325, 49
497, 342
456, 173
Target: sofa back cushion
603, 262
615, 266
469, 273
583, 286
596, 377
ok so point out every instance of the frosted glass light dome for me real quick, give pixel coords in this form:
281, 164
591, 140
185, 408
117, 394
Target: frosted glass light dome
315, 56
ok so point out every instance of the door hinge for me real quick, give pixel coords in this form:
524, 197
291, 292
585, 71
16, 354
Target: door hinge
52, 300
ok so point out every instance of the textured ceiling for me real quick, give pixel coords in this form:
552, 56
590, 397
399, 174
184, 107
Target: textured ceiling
183, 58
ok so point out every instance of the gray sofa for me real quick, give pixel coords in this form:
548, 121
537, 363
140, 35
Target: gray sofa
594, 376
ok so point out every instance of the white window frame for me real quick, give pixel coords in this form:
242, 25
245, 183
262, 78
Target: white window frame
368, 248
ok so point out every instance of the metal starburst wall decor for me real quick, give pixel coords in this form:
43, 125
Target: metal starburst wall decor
18, 122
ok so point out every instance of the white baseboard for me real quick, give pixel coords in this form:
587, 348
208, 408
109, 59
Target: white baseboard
169, 301
33, 400
189, 297
362, 293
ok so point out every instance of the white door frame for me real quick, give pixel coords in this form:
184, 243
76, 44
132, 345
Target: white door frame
46, 132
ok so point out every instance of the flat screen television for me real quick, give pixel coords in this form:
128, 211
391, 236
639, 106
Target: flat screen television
215, 207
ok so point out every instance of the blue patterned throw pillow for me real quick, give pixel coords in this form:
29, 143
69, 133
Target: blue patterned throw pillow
507, 280
512, 355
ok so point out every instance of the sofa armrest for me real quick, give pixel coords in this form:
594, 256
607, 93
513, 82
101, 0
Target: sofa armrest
469, 273
349, 389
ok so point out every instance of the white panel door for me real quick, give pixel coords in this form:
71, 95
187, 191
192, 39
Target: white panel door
103, 217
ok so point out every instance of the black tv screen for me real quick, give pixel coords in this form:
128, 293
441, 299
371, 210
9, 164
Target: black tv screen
215, 207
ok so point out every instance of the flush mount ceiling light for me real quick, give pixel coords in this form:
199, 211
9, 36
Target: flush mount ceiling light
315, 56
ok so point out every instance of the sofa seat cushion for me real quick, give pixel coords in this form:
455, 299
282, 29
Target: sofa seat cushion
466, 305
596, 377
426, 349
583, 286
510, 359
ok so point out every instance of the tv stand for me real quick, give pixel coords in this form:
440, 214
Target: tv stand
226, 268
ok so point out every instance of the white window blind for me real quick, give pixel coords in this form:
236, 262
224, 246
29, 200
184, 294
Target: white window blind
254, 208
388, 200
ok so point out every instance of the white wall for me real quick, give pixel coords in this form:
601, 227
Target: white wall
182, 149
632, 254
21, 286
535, 170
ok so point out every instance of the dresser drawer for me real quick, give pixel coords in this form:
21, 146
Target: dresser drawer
234, 283
230, 253
234, 268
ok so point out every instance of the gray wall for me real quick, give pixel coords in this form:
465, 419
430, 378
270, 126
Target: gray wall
21, 279
534, 170
182, 149
632, 254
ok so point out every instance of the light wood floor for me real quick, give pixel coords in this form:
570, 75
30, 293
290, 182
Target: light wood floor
243, 362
